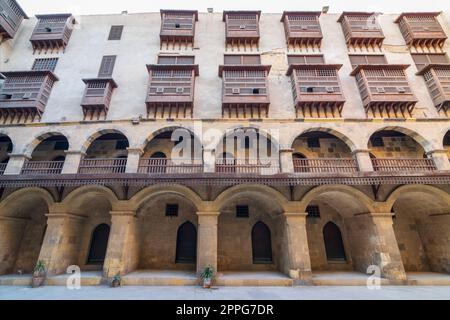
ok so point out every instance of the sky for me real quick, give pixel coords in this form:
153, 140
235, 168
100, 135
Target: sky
78, 7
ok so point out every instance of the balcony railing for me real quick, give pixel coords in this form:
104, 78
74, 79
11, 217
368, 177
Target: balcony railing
42, 167
3, 168
325, 165
403, 165
248, 166
102, 166
162, 166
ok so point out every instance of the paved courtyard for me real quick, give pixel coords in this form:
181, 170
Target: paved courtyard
224, 293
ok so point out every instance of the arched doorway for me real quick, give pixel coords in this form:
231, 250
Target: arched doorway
186, 243
261, 243
99, 244
6, 147
334, 246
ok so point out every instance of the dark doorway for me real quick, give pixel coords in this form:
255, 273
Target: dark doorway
261, 243
99, 244
159, 162
186, 243
334, 246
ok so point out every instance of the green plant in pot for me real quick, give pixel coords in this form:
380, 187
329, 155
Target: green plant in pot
39, 274
116, 281
207, 276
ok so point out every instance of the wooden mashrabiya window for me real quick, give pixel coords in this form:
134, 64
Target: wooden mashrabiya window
242, 28
437, 78
302, 29
52, 32
11, 16
361, 30
178, 27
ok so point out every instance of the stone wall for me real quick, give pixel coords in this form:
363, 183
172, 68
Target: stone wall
329, 148
398, 147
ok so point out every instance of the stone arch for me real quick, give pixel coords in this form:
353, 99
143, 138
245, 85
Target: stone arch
424, 143
85, 146
343, 198
29, 148
330, 131
157, 132
75, 199
8, 140
14, 198
153, 191
260, 131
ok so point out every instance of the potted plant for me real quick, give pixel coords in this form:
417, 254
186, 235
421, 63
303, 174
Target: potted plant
207, 276
117, 279
38, 274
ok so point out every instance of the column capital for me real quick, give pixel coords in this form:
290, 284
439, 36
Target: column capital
77, 152
360, 151
64, 215
140, 151
380, 214
123, 213
19, 155
295, 214
208, 213
286, 149
438, 151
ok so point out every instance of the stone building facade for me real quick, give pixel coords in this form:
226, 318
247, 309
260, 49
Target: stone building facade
89, 175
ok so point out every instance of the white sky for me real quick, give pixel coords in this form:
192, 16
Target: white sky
77, 7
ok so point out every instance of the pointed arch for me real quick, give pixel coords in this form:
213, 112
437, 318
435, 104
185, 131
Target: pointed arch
334, 245
99, 244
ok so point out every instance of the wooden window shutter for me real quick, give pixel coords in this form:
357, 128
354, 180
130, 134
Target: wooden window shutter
107, 66
115, 33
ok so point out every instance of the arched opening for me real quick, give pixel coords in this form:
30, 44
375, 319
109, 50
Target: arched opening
22, 226
6, 147
446, 143
318, 151
261, 243
394, 151
421, 223
334, 246
106, 154
99, 244
247, 150
175, 150
48, 157
186, 243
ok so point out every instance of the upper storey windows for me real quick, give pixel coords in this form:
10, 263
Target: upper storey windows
242, 29
177, 28
302, 29
52, 32
361, 30
11, 16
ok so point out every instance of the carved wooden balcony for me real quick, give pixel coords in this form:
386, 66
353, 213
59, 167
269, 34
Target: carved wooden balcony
302, 28
242, 28
97, 97
52, 32
24, 95
385, 90
102, 166
163, 166
361, 30
171, 90
317, 90
248, 166
178, 27
42, 167
422, 29
245, 91
437, 78
403, 165
11, 16
325, 165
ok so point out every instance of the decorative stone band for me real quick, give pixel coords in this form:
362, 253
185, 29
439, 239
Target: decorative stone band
64, 216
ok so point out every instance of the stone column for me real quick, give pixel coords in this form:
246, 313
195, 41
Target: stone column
207, 240
72, 161
440, 158
61, 242
373, 242
286, 160
209, 160
363, 160
134, 155
122, 254
15, 163
11, 230
296, 262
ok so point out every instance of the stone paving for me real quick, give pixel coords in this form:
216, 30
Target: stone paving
224, 293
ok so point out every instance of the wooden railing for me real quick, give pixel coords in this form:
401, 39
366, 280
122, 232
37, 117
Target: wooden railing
162, 166
102, 166
3, 168
248, 166
403, 165
42, 167
325, 165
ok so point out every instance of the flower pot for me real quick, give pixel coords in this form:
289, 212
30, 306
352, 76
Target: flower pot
115, 283
37, 281
207, 283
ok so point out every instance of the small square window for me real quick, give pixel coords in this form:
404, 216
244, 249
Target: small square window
172, 210
313, 143
115, 33
242, 212
313, 211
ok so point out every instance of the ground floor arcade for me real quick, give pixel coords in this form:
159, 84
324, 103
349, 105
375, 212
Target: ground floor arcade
250, 234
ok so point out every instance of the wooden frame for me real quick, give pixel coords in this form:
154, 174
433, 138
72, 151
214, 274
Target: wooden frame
302, 29
437, 78
97, 97
11, 16
52, 32
361, 30
242, 28
178, 27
